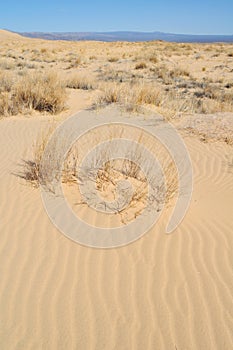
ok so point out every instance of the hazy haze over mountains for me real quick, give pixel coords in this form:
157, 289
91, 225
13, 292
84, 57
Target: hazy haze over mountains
128, 36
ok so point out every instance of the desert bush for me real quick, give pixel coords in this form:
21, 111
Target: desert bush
131, 96
7, 106
208, 99
110, 94
153, 59
6, 64
32, 168
107, 176
141, 65
177, 72
79, 81
40, 92
6, 81
147, 94
113, 59
74, 62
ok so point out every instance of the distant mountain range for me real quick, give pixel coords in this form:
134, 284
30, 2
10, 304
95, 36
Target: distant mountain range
128, 36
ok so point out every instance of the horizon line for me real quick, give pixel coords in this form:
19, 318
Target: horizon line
119, 31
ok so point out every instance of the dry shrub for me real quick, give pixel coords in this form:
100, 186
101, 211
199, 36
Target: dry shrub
162, 72
7, 107
79, 81
113, 59
147, 94
92, 58
141, 65
6, 64
108, 176
177, 72
125, 169
32, 168
215, 100
6, 81
112, 93
36, 174
130, 96
153, 59
74, 63
167, 103
41, 92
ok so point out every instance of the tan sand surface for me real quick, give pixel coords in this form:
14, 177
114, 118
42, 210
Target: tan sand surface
161, 292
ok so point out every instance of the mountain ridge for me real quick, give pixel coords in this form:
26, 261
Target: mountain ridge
130, 36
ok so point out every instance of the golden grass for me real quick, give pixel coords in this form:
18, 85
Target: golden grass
141, 65
79, 81
108, 176
42, 92
174, 78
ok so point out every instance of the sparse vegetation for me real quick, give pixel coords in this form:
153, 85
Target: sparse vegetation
141, 65
113, 59
172, 78
108, 174
153, 59
79, 81
40, 92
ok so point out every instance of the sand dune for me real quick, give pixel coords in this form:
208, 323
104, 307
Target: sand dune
171, 292
5, 35
161, 292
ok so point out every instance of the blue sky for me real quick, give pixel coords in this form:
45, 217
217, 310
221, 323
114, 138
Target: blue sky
175, 16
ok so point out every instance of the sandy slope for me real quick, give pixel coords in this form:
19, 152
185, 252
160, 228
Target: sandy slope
5, 35
161, 292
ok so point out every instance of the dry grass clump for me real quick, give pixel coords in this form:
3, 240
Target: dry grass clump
6, 64
131, 96
153, 59
214, 99
168, 103
32, 168
177, 72
92, 58
43, 167
74, 63
110, 94
6, 81
114, 171
169, 75
113, 59
141, 65
147, 94
41, 92
7, 105
109, 174
79, 81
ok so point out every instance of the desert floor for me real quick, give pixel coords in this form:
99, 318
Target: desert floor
162, 291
